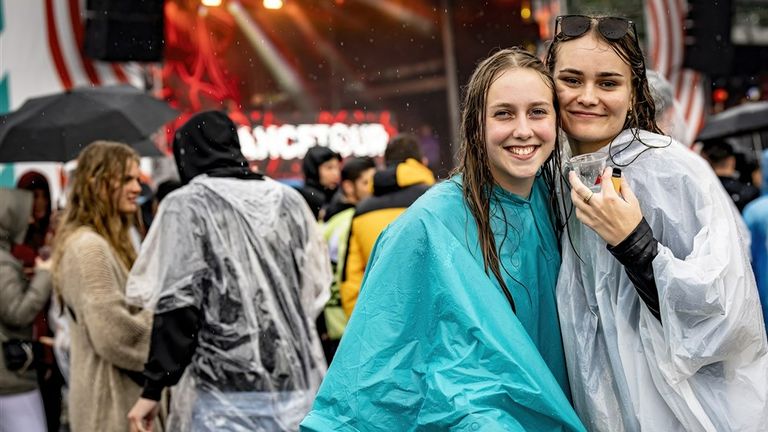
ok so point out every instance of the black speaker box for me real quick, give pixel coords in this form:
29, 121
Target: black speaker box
708, 47
124, 30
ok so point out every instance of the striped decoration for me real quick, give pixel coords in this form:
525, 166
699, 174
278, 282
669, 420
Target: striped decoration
65, 27
664, 34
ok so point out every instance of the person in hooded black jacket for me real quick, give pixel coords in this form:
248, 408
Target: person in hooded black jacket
238, 270
322, 173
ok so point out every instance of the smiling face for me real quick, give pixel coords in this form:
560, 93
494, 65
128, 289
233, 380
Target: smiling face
594, 87
129, 189
520, 128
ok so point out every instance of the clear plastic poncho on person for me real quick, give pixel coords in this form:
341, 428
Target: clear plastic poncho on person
236, 273
248, 256
704, 366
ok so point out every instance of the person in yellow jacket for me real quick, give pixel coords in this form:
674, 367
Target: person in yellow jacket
356, 185
395, 188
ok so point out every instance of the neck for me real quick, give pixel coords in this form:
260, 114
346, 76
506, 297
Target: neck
346, 199
580, 147
723, 172
522, 189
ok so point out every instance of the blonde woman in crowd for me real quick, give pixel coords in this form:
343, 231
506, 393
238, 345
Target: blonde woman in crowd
93, 254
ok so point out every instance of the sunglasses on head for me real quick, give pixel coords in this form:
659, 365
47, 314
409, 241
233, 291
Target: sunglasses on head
612, 28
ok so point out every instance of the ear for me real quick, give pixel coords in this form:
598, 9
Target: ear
348, 187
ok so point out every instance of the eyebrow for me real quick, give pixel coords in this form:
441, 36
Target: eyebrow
600, 74
509, 105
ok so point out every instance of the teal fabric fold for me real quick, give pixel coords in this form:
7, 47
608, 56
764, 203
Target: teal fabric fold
433, 343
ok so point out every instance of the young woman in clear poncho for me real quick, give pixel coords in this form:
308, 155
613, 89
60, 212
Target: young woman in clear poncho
661, 320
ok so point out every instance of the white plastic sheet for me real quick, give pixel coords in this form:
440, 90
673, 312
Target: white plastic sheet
705, 368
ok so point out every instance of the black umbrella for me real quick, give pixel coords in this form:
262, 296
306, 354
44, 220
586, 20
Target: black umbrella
743, 119
57, 127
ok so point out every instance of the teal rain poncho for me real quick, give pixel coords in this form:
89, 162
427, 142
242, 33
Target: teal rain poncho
433, 343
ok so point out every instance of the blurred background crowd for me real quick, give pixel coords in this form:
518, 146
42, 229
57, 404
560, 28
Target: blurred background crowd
354, 103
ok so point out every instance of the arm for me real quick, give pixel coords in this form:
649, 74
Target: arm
352, 274
22, 301
636, 254
174, 340
619, 221
316, 272
118, 333
707, 298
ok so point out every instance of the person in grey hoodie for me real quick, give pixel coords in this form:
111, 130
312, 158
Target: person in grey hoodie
21, 407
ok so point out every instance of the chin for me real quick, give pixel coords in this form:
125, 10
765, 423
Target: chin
589, 136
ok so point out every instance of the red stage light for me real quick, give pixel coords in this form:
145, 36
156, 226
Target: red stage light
720, 95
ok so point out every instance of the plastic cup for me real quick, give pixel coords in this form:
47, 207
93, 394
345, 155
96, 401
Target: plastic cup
589, 167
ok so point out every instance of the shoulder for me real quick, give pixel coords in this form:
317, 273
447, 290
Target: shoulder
442, 206
86, 239
440, 198
181, 197
756, 212
289, 194
661, 161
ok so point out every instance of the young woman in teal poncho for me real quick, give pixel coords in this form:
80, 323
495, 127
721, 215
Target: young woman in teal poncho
456, 327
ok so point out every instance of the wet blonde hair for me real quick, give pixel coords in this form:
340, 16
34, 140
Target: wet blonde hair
100, 174
474, 163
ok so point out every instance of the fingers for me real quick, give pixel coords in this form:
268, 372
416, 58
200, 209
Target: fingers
581, 199
582, 191
606, 183
137, 425
628, 193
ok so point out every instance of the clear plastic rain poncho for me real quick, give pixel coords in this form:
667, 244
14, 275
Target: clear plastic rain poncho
248, 255
704, 367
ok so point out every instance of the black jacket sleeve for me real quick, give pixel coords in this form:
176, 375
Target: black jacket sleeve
636, 254
174, 340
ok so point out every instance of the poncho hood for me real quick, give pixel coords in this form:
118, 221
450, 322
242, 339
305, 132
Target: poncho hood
208, 144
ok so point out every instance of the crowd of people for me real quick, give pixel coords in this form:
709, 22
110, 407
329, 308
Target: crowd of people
509, 296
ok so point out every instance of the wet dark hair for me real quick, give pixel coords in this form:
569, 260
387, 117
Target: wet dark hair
355, 167
717, 151
474, 165
643, 109
401, 147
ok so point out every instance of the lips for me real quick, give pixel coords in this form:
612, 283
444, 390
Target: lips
585, 114
522, 152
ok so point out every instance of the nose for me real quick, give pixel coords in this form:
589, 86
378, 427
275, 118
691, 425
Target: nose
587, 96
135, 186
522, 130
